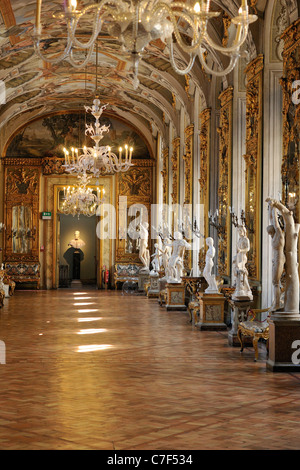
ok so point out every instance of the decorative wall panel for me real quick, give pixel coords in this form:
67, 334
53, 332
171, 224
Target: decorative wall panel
224, 190
205, 123
21, 240
136, 185
188, 165
254, 116
188, 183
175, 170
165, 174
291, 118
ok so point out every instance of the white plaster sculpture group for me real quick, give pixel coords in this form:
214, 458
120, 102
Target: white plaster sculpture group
284, 244
170, 255
242, 288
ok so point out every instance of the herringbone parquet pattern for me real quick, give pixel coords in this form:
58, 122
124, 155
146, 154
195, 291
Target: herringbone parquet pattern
119, 372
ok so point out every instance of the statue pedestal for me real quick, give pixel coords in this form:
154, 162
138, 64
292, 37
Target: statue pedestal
76, 264
175, 296
240, 313
211, 311
144, 277
153, 291
284, 356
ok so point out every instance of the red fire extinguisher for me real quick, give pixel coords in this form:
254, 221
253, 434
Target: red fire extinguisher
105, 277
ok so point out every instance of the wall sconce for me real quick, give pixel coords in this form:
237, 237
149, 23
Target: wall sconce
22, 233
235, 220
292, 201
214, 222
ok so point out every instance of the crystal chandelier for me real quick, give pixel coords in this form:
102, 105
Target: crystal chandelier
98, 160
82, 200
137, 22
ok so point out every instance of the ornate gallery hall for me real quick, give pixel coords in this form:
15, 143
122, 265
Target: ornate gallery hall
149, 225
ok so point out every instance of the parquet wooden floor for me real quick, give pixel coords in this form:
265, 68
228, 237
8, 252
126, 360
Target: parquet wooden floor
104, 371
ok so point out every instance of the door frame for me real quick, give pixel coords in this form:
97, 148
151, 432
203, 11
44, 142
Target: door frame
99, 245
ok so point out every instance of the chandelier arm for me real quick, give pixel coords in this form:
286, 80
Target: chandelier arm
233, 60
79, 65
172, 59
55, 60
228, 50
185, 47
72, 27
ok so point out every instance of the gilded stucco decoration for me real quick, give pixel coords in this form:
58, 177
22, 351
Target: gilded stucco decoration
21, 240
188, 181
165, 174
175, 170
254, 114
291, 117
137, 186
205, 123
224, 191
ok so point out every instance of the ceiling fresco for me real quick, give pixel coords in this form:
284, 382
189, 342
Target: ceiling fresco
47, 137
38, 88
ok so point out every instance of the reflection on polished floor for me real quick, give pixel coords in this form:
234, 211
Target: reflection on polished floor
98, 370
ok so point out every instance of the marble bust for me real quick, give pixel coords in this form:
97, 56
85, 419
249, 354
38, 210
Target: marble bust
77, 243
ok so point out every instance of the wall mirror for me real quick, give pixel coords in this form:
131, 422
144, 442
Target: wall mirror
22, 232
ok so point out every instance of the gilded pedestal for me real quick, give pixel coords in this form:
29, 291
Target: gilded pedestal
284, 343
211, 311
175, 296
144, 277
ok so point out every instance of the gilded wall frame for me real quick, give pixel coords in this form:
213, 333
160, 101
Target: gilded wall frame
291, 117
175, 170
224, 189
165, 174
253, 159
136, 185
205, 124
22, 187
188, 181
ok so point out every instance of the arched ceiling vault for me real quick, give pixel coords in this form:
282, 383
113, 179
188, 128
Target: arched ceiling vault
36, 88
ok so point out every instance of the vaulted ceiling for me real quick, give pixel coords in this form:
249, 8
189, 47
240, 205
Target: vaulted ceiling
36, 88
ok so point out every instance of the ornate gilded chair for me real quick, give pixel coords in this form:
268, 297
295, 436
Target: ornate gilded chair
2, 296
254, 329
8, 282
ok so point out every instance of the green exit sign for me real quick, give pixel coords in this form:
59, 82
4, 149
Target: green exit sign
46, 215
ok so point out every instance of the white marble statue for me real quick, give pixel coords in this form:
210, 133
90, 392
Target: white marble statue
156, 262
278, 242
209, 264
242, 287
144, 254
77, 243
166, 253
175, 264
291, 231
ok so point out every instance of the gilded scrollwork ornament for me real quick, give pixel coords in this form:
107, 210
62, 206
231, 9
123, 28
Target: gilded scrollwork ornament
291, 117
253, 157
224, 186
